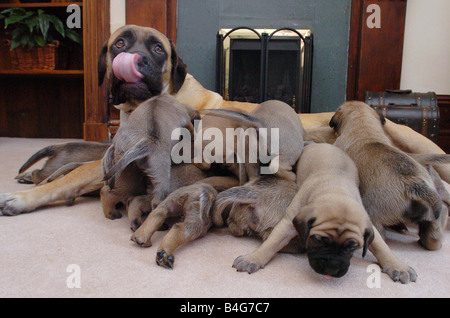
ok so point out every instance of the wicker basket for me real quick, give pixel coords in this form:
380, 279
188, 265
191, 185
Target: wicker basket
36, 58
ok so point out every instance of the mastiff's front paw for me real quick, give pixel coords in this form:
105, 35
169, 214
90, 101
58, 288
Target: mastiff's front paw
12, 205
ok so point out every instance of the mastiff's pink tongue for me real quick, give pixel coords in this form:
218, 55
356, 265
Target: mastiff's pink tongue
125, 67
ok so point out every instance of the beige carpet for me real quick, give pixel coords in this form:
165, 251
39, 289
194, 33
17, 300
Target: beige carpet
37, 248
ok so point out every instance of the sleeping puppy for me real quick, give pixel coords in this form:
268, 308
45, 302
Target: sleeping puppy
145, 138
395, 188
190, 203
269, 115
61, 160
327, 219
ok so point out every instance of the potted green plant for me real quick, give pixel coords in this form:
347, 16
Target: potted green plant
34, 38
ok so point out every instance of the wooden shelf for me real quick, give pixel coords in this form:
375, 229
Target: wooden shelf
62, 103
56, 73
39, 5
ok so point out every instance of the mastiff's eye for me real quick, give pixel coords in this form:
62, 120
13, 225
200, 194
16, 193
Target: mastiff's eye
120, 44
159, 49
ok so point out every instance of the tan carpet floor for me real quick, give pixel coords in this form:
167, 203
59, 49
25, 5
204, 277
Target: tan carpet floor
36, 250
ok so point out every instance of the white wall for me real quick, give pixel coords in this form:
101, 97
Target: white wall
118, 16
426, 57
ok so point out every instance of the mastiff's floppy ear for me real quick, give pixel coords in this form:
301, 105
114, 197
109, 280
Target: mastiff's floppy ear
179, 69
101, 65
369, 235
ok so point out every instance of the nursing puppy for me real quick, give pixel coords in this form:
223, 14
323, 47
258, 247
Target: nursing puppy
145, 138
269, 115
191, 205
133, 191
209, 158
327, 219
255, 208
395, 188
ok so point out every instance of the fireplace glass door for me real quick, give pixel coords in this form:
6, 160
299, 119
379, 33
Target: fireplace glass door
259, 65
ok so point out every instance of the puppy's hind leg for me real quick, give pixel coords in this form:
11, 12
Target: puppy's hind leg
179, 234
196, 224
159, 164
432, 233
154, 221
138, 208
109, 203
172, 206
431, 215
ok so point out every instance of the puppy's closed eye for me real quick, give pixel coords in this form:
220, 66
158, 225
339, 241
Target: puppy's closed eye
351, 245
320, 240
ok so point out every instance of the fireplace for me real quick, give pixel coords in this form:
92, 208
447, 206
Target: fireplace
255, 65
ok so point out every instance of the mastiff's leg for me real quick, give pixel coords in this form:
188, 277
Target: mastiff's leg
83, 180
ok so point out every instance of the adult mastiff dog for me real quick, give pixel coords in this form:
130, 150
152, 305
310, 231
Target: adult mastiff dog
149, 67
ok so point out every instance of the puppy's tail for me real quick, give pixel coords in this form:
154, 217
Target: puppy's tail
242, 118
236, 195
207, 198
108, 161
41, 154
431, 159
65, 170
139, 151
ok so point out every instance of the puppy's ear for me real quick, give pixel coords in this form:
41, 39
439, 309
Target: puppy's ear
303, 228
368, 239
179, 70
382, 119
101, 65
335, 121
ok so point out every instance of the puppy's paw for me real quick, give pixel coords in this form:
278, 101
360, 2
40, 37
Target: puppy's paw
113, 214
135, 224
431, 244
140, 240
164, 259
24, 178
248, 263
155, 202
12, 205
403, 274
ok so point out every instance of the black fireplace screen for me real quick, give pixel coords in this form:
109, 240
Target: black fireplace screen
255, 66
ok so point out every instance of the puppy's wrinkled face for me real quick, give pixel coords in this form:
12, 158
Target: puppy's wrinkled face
329, 257
333, 235
140, 63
